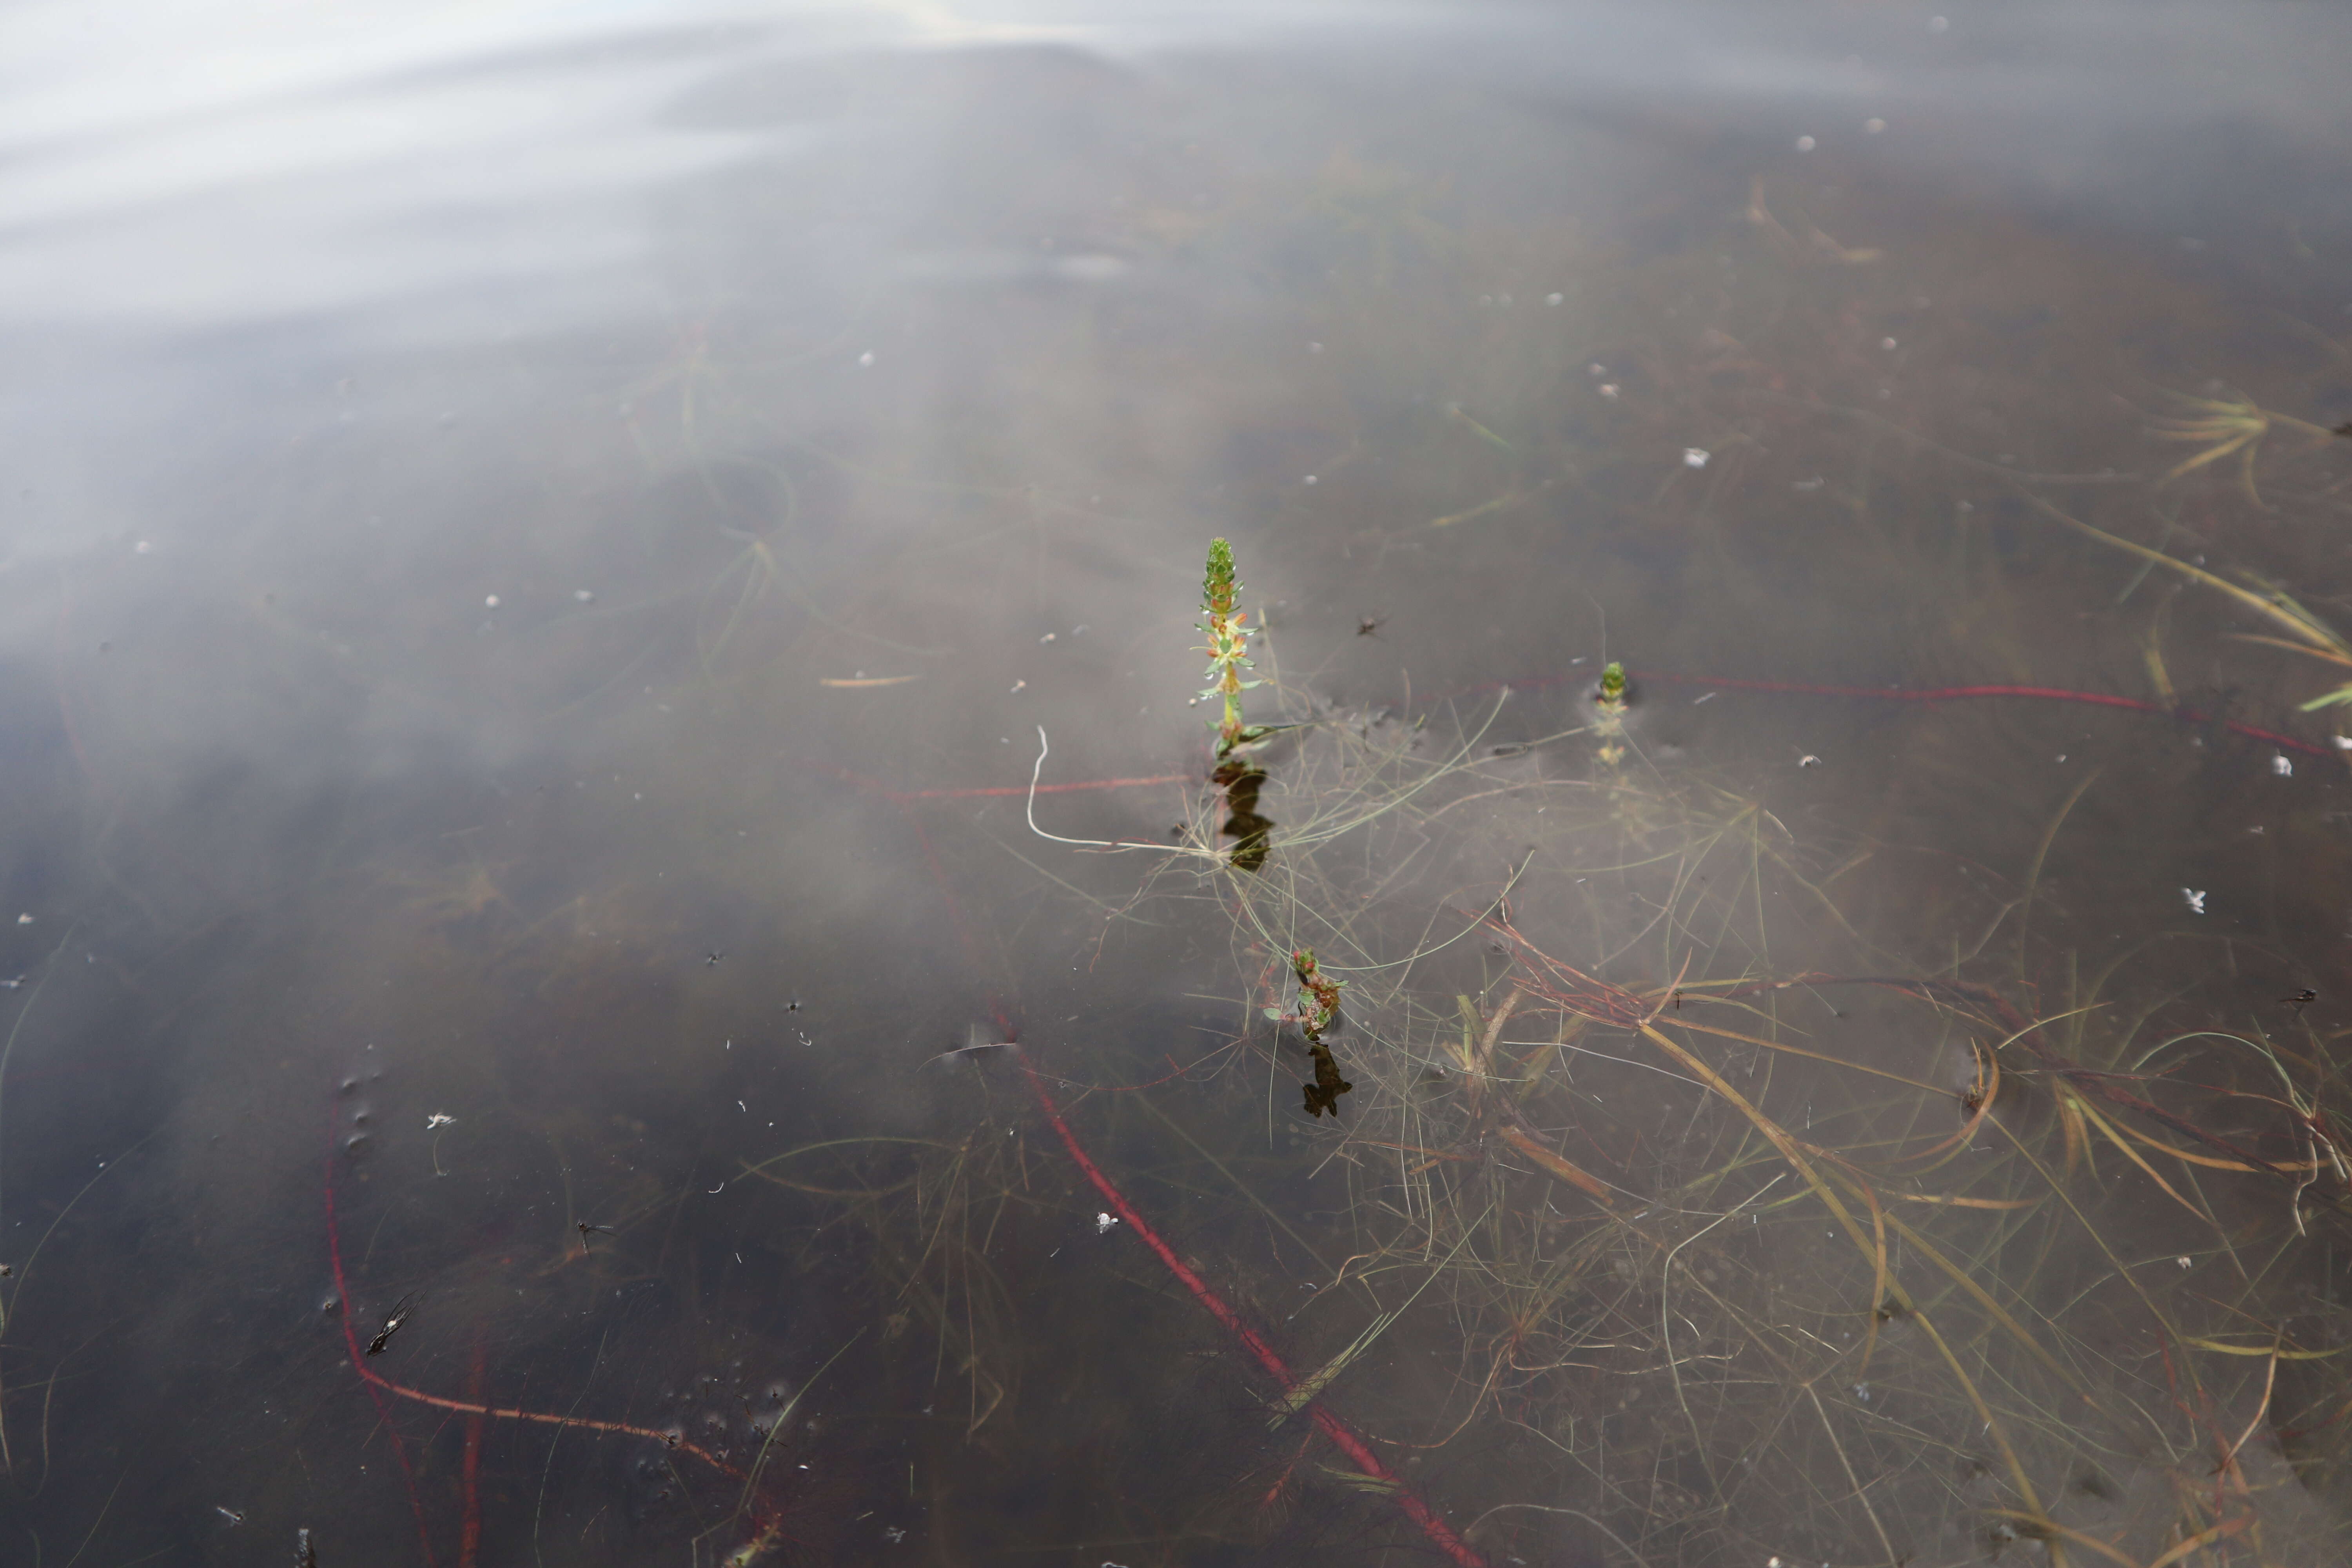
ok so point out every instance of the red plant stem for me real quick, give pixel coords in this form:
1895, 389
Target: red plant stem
1039, 789
1341, 1435
1960, 693
379, 1385
469, 1534
352, 1345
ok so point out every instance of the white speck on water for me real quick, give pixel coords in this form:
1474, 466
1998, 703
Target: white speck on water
1808, 761
1315, 348
23, 919
1596, 368
585, 595
1018, 686
1940, 24
1609, 389
2061, 756
1554, 298
1872, 126
893, 1535
1049, 636
1809, 485
1806, 143
866, 360
489, 601
145, 547
1102, 1222
1707, 698
2195, 899
2182, 1261
439, 1120
1695, 456
2280, 766
1308, 479
1887, 344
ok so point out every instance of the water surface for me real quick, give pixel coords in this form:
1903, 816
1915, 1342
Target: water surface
546, 546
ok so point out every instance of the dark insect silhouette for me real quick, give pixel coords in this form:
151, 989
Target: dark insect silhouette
400, 1312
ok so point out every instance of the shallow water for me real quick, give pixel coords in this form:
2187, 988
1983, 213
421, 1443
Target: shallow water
546, 548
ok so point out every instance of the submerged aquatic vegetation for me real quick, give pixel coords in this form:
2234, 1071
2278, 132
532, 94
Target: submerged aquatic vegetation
1318, 1010
1741, 1161
1859, 1291
2229, 426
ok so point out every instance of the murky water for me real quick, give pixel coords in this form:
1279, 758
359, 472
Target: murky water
546, 548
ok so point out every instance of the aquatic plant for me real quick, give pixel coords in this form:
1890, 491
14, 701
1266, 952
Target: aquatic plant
1608, 705
1323, 991
1923, 1244
1227, 647
2227, 427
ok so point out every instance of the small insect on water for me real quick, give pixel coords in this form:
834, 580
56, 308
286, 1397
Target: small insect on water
1369, 626
399, 1315
587, 1230
2301, 999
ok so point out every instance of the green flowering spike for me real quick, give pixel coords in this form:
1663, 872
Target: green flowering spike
1227, 646
1609, 721
1217, 594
